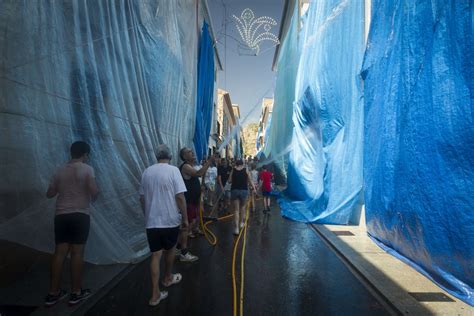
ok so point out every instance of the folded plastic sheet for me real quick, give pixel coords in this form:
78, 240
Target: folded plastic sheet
120, 75
205, 93
325, 160
419, 152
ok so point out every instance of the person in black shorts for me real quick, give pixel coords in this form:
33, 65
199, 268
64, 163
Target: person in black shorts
75, 187
162, 199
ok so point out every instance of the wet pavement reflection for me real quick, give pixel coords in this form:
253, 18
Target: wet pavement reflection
288, 271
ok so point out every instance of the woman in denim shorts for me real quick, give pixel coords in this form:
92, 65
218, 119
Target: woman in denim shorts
240, 180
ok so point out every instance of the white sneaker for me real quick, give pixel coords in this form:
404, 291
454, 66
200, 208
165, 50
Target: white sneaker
236, 231
242, 225
188, 257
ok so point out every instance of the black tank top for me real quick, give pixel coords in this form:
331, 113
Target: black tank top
239, 179
193, 187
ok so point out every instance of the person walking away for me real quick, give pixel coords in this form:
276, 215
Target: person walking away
255, 179
164, 206
240, 180
223, 173
266, 179
75, 187
193, 197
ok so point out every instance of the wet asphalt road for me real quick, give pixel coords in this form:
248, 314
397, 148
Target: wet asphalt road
288, 271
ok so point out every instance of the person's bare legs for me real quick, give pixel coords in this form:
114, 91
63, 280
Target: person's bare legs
183, 237
242, 212
266, 202
77, 259
169, 261
57, 262
155, 275
236, 214
252, 200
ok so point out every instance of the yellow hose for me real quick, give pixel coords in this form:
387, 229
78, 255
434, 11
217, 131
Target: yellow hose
242, 265
234, 285
210, 237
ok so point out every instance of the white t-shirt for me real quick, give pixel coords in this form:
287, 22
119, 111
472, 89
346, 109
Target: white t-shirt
254, 174
160, 184
211, 175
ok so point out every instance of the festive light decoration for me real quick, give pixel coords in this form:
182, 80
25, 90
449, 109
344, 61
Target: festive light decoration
248, 27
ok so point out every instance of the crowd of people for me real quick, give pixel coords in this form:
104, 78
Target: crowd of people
171, 199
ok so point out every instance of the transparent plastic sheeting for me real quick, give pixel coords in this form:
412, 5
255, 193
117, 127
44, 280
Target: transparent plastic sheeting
419, 153
205, 93
325, 160
279, 135
120, 75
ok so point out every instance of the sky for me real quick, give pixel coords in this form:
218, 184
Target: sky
247, 78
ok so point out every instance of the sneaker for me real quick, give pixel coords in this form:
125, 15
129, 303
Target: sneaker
236, 231
188, 257
51, 299
199, 232
77, 298
242, 225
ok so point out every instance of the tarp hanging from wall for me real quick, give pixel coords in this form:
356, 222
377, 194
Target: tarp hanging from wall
325, 161
279, 134
120, 75
419, 153
205, 93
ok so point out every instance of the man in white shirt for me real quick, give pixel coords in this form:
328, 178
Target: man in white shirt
164, 206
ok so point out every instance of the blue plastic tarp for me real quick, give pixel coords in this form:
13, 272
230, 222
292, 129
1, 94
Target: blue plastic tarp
419, 136
325, 160
205, 90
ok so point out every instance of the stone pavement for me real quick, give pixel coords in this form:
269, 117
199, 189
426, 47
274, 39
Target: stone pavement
401, 285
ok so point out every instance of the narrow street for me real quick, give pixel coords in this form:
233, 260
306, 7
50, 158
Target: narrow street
288, 271
117, 118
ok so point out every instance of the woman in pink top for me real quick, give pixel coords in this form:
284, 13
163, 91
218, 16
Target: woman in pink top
266, 179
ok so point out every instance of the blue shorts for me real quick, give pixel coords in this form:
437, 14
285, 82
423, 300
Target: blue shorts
266, 193
239, 195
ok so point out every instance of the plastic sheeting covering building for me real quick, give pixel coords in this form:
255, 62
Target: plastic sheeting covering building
419, 152
120, 75
205, 93
325, 161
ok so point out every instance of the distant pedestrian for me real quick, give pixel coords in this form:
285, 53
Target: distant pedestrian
164, 205
240, 180
223, 173
75, 187
266, 179
255, 179
193, 197
210, 180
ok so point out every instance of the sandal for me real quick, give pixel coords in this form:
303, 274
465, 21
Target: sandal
163, 295
175, 279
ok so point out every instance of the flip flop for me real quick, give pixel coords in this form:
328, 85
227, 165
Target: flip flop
175, 279
163, 295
